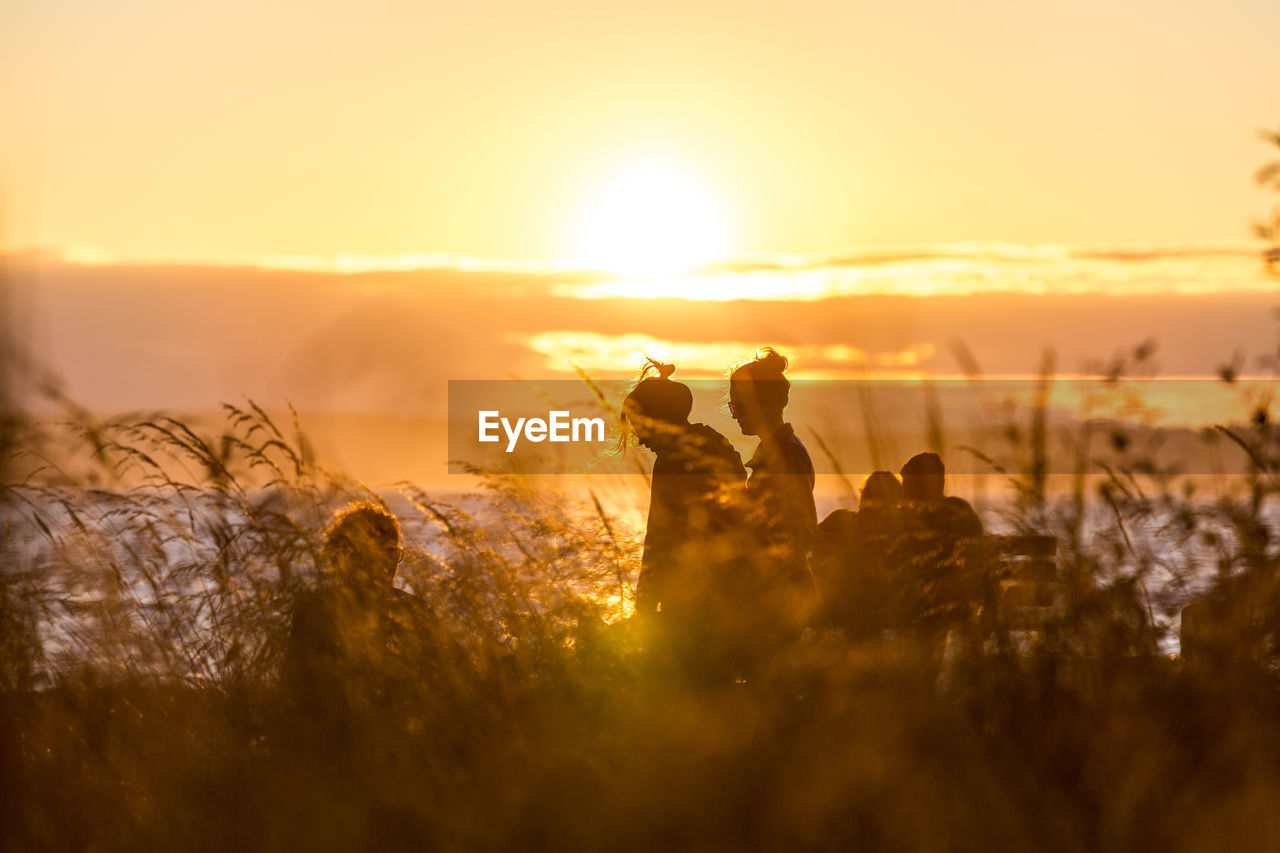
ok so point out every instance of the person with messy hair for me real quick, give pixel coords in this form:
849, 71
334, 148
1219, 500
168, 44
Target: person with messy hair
693, 543
357, 643
783, 517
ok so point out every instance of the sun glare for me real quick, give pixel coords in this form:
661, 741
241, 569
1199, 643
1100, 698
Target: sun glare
653, 219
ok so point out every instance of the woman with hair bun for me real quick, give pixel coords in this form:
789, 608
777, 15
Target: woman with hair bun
693, 541
780, 495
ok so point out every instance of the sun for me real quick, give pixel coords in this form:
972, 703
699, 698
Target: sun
652, 219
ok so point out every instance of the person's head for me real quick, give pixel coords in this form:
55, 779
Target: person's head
656, 407
880, 489
758, 392
923, 478
362, 544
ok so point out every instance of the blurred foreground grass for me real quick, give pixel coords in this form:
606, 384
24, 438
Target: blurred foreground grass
144, 608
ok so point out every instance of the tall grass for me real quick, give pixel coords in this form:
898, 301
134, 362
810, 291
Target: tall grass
146, 598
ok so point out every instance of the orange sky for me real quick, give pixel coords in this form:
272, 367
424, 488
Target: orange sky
201, 131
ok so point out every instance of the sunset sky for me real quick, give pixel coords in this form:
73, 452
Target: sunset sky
150, 130
347, 206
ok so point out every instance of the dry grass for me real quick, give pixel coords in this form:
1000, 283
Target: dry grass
145, 605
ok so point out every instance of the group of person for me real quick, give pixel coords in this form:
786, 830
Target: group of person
735, 563
892, 563
724, 578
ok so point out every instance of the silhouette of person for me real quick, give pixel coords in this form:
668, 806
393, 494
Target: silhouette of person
923, 482
356, 644
936, 595
854, 561
879, 503
783, 516
693, 542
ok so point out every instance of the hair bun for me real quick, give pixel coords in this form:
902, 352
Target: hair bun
771, 361
663, 370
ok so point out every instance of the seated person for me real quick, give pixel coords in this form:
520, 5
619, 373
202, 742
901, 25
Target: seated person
934, 595
923, 481
853, 562
357, 644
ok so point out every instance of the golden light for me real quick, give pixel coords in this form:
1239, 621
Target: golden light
653, 219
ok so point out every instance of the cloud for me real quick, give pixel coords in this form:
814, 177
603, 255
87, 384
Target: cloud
563, 350
953, 269
131, 337
958, 270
